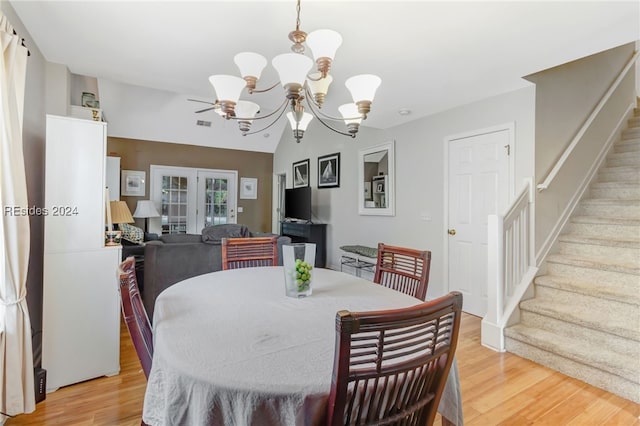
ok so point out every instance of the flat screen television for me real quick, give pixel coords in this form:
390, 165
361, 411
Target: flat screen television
297, 203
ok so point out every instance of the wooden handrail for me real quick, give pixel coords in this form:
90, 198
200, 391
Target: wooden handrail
574, 142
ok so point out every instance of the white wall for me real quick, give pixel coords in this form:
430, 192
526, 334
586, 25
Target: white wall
419, 175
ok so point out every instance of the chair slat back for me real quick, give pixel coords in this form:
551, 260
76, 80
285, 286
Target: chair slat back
391, 366
135, 316
403, 269
249, 252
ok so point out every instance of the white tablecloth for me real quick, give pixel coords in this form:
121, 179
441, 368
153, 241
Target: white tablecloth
232, 349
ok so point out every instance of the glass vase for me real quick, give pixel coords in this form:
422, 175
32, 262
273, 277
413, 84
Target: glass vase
298, 260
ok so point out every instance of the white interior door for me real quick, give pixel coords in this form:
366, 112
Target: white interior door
478, 186
216, 201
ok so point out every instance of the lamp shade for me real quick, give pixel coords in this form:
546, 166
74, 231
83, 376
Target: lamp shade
227, 87
247, 109
363, 87
146, 208
319, 85
304, 121
292, 68
250, 64
324, 43
120, 212
350, 113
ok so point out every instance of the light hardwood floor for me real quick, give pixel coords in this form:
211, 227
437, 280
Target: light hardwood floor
497, 389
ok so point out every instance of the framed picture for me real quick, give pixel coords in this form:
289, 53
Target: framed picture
301, 174
132, 183
248, 188
329, 171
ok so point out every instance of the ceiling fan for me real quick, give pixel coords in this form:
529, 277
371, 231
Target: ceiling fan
215, 105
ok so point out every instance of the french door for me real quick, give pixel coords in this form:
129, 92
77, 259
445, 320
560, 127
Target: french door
190, 199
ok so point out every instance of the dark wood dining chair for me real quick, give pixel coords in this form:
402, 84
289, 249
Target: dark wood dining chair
135, 316
403, 269
249, 252
391, 367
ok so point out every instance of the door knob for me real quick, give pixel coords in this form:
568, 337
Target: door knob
452, 232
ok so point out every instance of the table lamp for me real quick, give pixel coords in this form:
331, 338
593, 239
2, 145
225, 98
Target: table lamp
118, 212
146, 209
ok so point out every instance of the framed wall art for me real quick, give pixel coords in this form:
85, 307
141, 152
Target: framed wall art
329, 171
301, 174
248, 188
132, 183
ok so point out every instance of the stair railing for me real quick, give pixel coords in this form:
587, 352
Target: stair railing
511, 265
585, 126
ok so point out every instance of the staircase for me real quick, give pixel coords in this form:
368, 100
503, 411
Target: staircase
584, 320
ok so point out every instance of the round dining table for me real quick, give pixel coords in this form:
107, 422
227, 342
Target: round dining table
230, 348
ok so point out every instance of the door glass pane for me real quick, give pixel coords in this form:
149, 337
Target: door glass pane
215, 201
174, 205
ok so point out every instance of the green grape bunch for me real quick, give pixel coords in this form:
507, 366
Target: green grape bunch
303, 275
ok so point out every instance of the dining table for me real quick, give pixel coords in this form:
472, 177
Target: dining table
230, 348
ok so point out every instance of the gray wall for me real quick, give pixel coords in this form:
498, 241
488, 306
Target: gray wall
565, 97
420, 153
33, 144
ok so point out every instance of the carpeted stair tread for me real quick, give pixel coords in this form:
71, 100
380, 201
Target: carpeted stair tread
594, 315
603, 220
629, 145
613, 185
620, 293
611, 202
578, 350
601, 264
625, 241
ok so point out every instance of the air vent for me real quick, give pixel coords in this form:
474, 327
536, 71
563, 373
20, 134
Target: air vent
203, 123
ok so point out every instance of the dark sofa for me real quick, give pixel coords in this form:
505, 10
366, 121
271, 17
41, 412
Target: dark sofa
176, 257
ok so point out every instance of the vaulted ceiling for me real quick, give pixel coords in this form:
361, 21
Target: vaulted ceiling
431, 56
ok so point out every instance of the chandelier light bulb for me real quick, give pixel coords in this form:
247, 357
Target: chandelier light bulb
363, 89
247, 109
299, 123
245, 112
323, 45
292, 68
319, 86
350, 113
304, 121
228, 88
352, 118
251, 66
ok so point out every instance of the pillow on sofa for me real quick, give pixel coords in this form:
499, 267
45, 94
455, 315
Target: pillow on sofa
131, 233
215, 234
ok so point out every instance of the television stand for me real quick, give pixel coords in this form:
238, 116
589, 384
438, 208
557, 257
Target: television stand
301, 232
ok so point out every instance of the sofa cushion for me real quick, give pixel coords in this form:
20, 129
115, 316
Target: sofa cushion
180, 238
215, 234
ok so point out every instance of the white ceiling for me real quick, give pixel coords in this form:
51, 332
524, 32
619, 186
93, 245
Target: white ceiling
431, 56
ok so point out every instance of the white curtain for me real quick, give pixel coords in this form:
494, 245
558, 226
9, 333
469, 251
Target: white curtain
16, 356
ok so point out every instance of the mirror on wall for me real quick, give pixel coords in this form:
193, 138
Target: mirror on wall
376, 176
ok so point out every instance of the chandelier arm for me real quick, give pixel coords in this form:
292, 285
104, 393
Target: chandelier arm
264, 90
272, 123
352, 135
328, 126
286, 101
318, 112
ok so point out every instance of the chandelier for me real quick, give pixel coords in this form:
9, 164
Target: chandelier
301, 87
